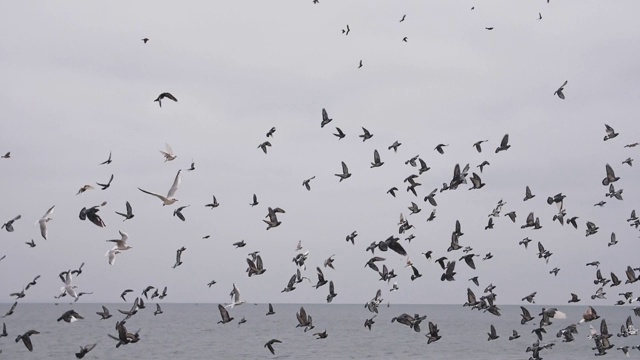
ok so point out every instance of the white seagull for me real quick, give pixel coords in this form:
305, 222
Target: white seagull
168, 155
121, 244
235, 296
68, 287
43, 222
112, 256
169, 199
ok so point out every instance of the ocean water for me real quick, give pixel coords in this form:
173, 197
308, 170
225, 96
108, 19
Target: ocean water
190, 331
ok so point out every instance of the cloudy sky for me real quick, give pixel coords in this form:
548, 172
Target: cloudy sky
79, 83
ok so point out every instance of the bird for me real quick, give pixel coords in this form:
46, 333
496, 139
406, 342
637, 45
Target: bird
332, 292
165, 95
104, 314
11, 310
270, 312
514, 336
405, 39
530, 297
271, 132
254, 201
158, 310
610, 133
9, 224
306, 183
121, 244
169, 155
7, 155
527, 194
321, 335
239, 244
214, 204
492, 333
105, 186
84, 188
124, 293
84, 350
179, 257
345, 172
269, 345
169, 199
611, 176
108, 161
482, 165
235, 297
392, 191
539, 16
369, 322
504, 144
178, 212
340, 135
403, 17
325, 117
478, 145
145, 40
440, 148
376, 160
489, 28
224, 314
26, 339
129, 212
359, 66
366, 135
43, 222
70, 316
264, 146
560, 90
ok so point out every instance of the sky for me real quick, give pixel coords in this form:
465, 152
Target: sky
79, 83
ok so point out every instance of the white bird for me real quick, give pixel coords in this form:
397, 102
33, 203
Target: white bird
68, 287
168, 155
43, 222
169, 199
112, 256
235, 296
121, 244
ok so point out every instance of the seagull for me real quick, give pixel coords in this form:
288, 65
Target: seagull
478, 145
106, 186
43, 222
121, 244
129, 214
270, 312
169, 199
527, 194
559, 91
168, 155
111, 256
165, 95
235, 296
68, 288
108, 161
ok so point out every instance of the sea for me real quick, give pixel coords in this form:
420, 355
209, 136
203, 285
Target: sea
192, 332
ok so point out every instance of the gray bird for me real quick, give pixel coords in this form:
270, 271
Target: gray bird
269, 345
106, 186
129, 214
560, 90
9, 224
345, 172
26, 339
366, 135
325, 118
504, 144
178, 212
610, 133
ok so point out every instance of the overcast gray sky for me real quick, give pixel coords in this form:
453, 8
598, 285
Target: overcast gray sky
79, 83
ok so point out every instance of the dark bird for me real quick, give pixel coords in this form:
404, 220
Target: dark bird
560, 90
369, 322
270, 312
108, 161
376, 160
340, 134
366, 135
255, 201
325, 118
530, 297
514, 336
70, 316
7, 155
214, 204
611, 176
405, 39
610, 133
489, 28
104, 314
403, 17
332, 292
440, 148
321, 280
158, 310
478, 145
145, 40
271, 132
304, 320
239, 244
129, 214
345, 172
264, 146
9, 224
11, 310
574, 298
165, 95
269, 345
492, 333
306, 183
124, 293
416, 274
224, 314
527, 194
179, 257
31, 243
476, 182
92, 214
32, 283
26, 339
482, 165
539, 16
178, 212
84, 350
392, 191
106, 186
504, 144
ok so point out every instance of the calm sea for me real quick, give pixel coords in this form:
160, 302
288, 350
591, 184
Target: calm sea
190, 331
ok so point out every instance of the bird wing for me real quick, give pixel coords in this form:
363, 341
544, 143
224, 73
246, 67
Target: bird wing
176, 184
156, 195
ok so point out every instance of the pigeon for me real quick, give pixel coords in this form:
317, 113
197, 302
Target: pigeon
560, 90
163, 96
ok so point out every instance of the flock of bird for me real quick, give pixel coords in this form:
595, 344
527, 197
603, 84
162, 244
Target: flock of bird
463, 177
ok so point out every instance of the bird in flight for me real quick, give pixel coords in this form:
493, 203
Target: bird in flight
165, 95
169, 199
560, 90
145, 40
403, 17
